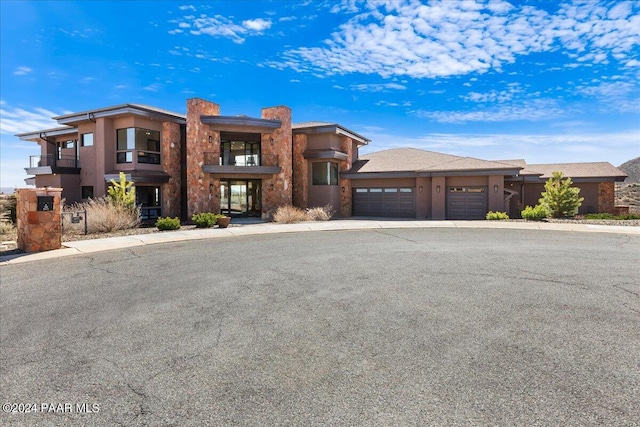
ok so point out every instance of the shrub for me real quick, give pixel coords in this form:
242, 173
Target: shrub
324, 213
497, 215
289, 214
103, 216
122, 193
536, 213
205, 219
612, 217
8, 209
560, 199
168, 223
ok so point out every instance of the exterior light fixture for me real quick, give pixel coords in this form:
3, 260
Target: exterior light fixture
210, 188
271, 187
602, 192
495, 188
210, 139
438, 189
271, 140
420, 189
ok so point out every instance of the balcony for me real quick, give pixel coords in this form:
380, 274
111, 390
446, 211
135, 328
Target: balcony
50, 164
253, 164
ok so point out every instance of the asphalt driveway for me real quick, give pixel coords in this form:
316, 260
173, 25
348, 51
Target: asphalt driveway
373, 327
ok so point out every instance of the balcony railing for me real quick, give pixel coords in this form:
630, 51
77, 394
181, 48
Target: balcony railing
249, 160
53, 162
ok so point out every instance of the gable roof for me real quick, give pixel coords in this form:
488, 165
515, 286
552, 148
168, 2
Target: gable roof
424, 161
578, 170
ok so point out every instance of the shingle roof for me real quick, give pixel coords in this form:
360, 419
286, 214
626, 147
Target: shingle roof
413, 159
577, 170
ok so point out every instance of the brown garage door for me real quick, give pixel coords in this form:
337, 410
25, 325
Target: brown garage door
466, 202
389, 202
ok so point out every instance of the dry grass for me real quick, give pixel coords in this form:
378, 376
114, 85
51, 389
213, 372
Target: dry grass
290, 214
102, 217
628, 194
324, 213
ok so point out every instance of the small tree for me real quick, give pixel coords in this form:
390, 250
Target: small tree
560, 199
122, 193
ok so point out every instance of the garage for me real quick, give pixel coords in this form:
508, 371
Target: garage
466, 202
387, 202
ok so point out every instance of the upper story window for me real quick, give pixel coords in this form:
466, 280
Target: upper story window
324, 173
239, 153
86, 140
143, 144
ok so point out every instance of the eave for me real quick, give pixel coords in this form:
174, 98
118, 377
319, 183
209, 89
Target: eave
241, 124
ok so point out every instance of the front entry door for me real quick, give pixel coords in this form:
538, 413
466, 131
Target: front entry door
241, 197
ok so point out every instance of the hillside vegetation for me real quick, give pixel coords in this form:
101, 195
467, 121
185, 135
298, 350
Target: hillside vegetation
628, 192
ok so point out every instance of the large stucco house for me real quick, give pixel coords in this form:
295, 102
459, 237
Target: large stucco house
248, 166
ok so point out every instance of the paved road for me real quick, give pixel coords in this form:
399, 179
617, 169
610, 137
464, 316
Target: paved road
376, 327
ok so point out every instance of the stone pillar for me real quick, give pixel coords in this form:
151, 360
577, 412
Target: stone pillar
203, 192
346, 146
38, 230
171, 146
606, 197
300, 172
278, 190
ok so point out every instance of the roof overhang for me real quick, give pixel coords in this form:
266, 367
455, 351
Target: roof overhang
30, 180
325, 154
241, 124
426, 174
140, 176
44, 134
333, 128
120, 110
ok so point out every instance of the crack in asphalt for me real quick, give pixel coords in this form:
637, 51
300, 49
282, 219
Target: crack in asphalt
380, 231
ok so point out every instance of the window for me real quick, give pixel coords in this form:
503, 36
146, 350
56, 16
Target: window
148, 198
86, 140
239, 153
87, 192
325, 173
144, 143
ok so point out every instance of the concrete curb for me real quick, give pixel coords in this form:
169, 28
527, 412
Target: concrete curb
111, 243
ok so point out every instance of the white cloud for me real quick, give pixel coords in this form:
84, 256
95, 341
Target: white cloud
287, 18
533, 111
18, 120
188, 7
257, 25
153, 87
377, 87
446, 38
220, 26
21, 71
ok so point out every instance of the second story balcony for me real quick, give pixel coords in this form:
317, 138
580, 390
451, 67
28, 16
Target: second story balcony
256, 164
50, 164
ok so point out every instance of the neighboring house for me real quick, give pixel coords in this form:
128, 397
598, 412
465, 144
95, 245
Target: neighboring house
246, 166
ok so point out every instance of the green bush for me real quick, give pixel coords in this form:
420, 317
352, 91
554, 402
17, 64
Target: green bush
560, 199
536, 213
205, 219
168, 223
122, 193
610, 216
497, 215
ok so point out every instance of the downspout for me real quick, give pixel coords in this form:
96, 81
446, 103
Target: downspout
90, 117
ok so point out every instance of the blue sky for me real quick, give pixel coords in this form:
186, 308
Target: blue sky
540, 80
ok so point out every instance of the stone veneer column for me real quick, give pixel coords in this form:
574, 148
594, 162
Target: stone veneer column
278, 189
38, 231
346, 146
606, 197
300, 172
171, 146
203, 191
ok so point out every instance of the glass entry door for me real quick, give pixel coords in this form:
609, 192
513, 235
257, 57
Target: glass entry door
241, 197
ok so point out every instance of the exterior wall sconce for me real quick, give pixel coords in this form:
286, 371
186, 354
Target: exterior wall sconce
437, 189
495, 188
271, 140
420, 189
210, 139
271, 187
602, 192
210, 188
344, 189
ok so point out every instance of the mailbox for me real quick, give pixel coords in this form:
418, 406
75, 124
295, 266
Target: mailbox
45, 203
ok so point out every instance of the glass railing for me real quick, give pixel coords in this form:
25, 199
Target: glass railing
51, 161
250, 160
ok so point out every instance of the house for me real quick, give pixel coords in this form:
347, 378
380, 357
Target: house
249, 166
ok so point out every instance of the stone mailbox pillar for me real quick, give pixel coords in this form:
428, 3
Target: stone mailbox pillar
39, 223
